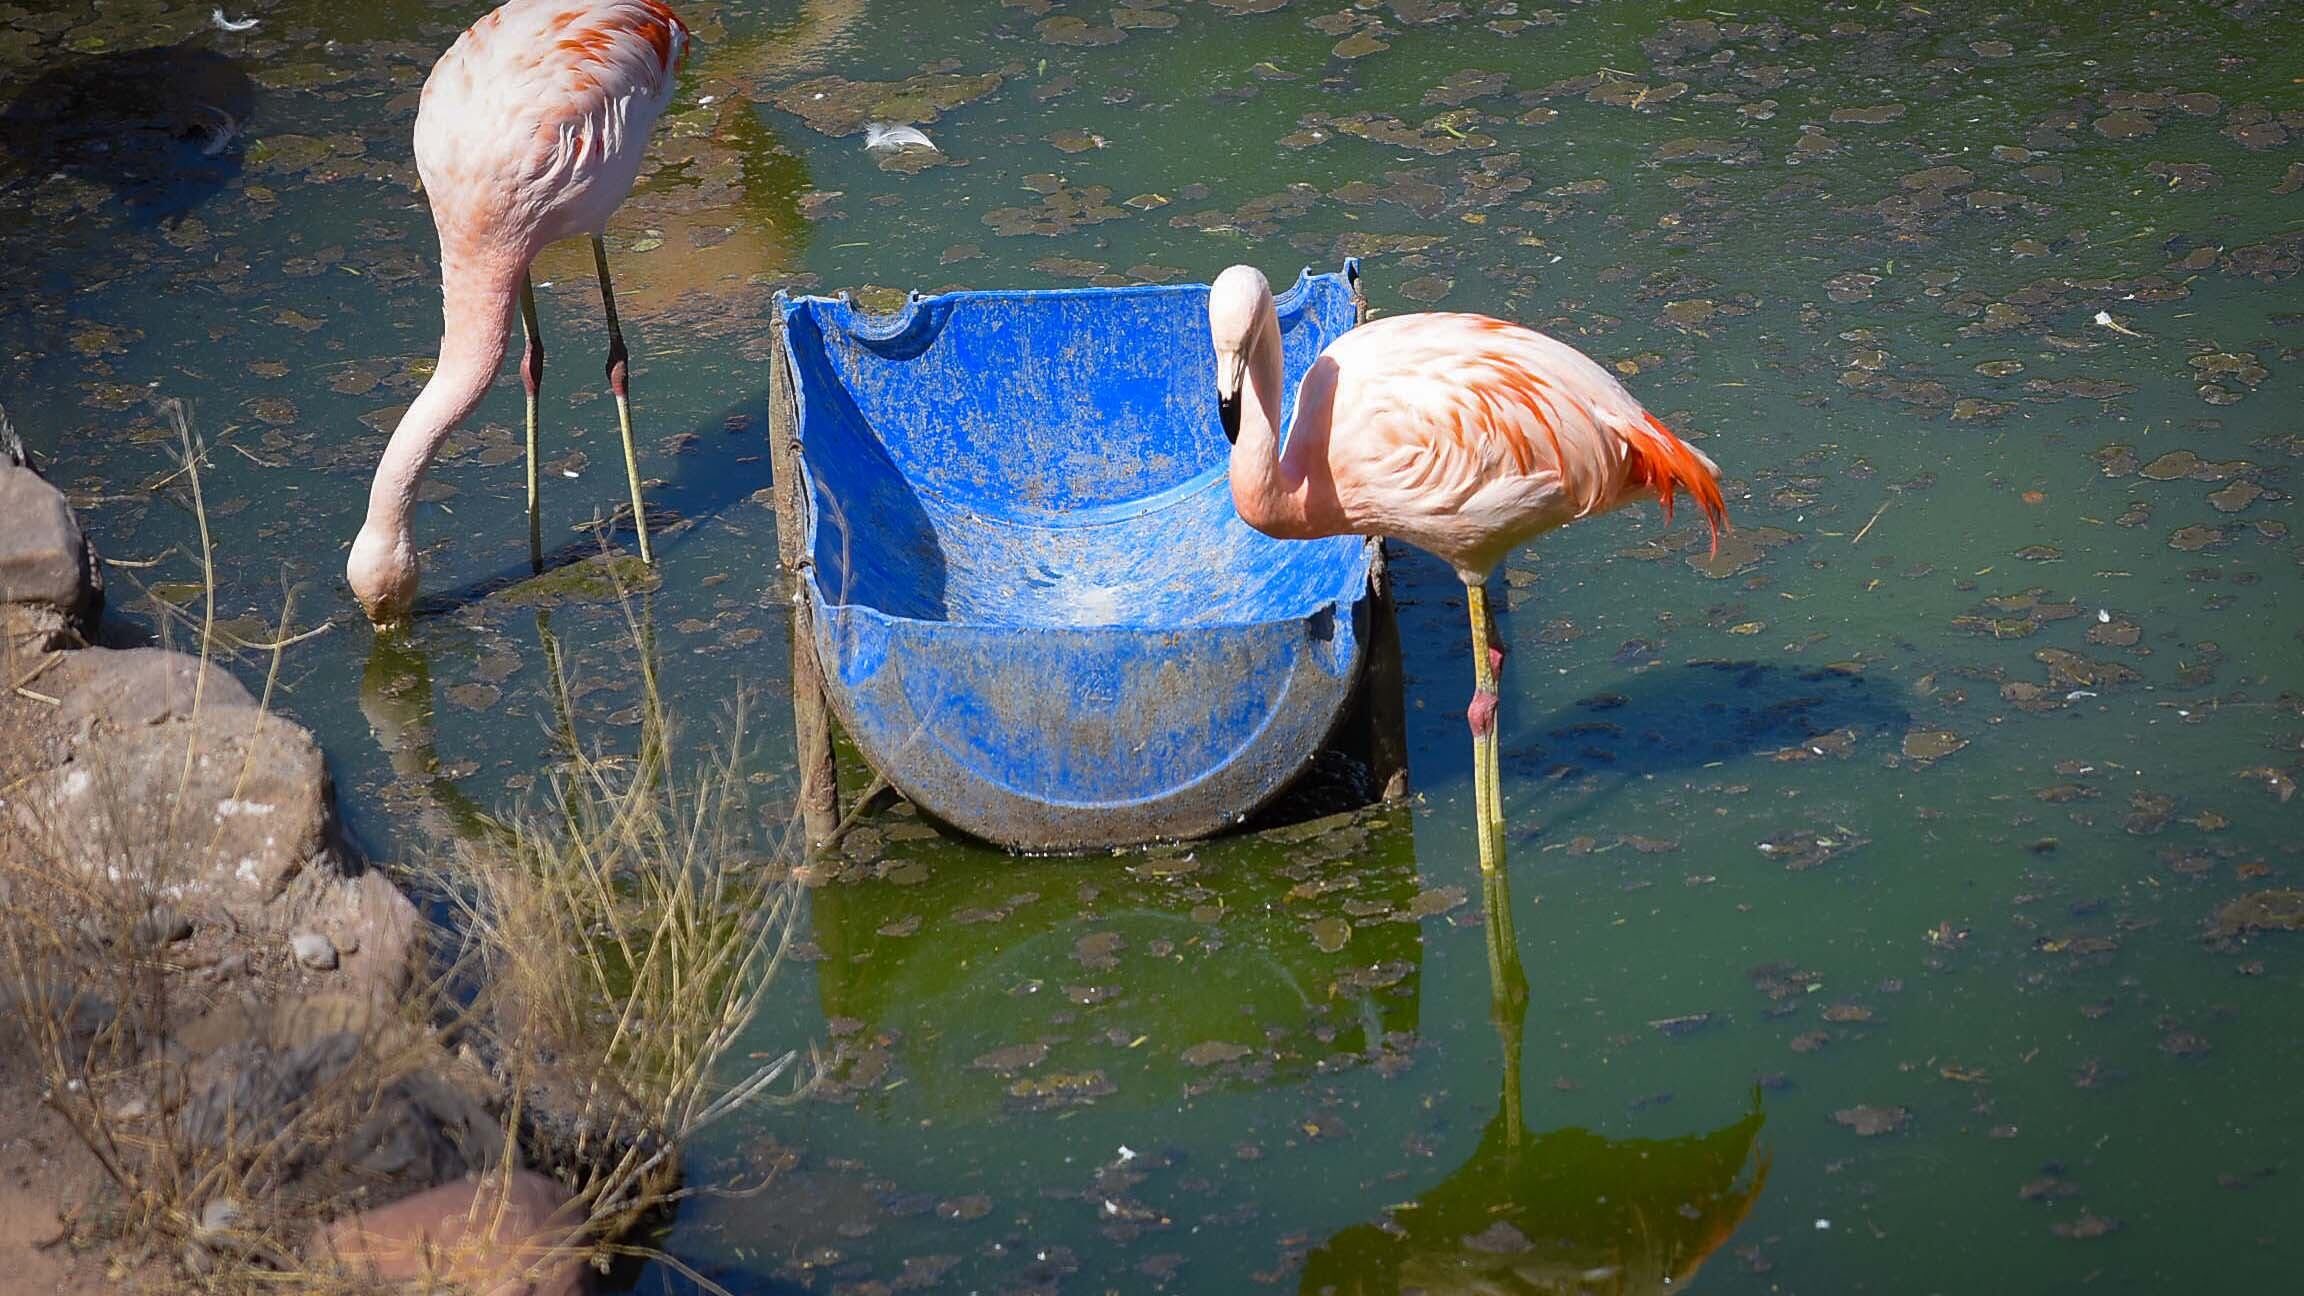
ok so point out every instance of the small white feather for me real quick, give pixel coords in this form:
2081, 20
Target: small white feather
881, 137
224, 24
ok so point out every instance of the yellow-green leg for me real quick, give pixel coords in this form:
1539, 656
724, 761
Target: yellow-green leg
619, 381
1507, 990
1487, 780
532, 378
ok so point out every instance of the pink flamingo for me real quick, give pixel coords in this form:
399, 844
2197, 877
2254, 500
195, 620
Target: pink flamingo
1460, 434
530, 130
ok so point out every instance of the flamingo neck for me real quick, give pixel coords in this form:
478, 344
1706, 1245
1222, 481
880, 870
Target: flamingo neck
477, 293
477, 296
1267, 491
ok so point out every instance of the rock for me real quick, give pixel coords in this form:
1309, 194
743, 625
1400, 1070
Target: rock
147, 785
1932, 744
409, 1117
81, 1012
228, 967
371, 926
498, 1235
1871, 1122
313, 950
49, 588
1214, 1053
110, 690
227, 806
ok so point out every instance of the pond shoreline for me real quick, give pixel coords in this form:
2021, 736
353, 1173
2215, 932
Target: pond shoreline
183, 900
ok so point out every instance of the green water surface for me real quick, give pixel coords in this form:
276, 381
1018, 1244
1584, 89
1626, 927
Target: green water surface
1866, 876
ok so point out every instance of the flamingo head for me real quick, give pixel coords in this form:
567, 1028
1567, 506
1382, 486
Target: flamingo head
1239, 303
382, 572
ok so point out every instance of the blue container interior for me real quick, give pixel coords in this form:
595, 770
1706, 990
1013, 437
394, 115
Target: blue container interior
1046, 458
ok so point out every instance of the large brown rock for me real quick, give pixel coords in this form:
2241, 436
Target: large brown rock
491, 1235
109, 690
226, 807
49, 589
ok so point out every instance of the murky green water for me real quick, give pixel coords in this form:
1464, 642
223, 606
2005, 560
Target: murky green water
1866, 878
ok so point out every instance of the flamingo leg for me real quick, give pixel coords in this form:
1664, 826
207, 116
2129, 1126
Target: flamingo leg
619, 381
1496, 651
1487, 788
1507, 991
532, 378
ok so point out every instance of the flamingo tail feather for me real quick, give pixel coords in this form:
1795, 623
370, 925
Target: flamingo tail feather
1662, 460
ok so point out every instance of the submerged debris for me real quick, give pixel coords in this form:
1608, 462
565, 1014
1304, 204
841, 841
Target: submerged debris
2261, 911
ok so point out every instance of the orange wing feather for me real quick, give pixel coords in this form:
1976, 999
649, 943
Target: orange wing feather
1665, 462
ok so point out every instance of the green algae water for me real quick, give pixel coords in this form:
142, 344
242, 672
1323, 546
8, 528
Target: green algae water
1905, 894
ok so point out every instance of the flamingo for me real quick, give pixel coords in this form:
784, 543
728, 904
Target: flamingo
1462, 435
530, 130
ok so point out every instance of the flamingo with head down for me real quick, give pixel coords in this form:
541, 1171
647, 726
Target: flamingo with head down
531, 129
1462, 435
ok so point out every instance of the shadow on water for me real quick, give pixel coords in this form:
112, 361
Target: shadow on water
1680, 718
586, 568
1567, 1211
163, 127
1687, 716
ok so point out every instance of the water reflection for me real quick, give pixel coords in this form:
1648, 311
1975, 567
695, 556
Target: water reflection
711, 229
718, 219
400, 701
1563, 1212
401, 706
1036, 983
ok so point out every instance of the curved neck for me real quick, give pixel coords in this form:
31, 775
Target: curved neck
477, 294
1263, 488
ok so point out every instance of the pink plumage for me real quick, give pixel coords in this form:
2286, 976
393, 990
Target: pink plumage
1460, 434
531, 129
1464, 436
533, 124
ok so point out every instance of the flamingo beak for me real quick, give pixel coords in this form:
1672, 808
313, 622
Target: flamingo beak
1231, 377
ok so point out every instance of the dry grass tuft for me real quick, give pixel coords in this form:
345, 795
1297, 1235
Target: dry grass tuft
625, 941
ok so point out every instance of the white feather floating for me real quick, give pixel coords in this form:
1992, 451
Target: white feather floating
224, 24
881, 137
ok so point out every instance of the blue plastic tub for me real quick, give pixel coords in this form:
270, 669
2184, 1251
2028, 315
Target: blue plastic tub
1036, 610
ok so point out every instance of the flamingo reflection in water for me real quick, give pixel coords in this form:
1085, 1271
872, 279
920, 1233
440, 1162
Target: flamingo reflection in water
1564, 1213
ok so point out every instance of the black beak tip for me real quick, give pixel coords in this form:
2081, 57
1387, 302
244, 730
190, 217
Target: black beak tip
1228, 410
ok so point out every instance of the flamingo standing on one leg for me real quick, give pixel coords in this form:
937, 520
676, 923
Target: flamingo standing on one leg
530, 130
1460, 434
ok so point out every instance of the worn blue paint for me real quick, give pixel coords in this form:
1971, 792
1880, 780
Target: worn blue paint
1038, 613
